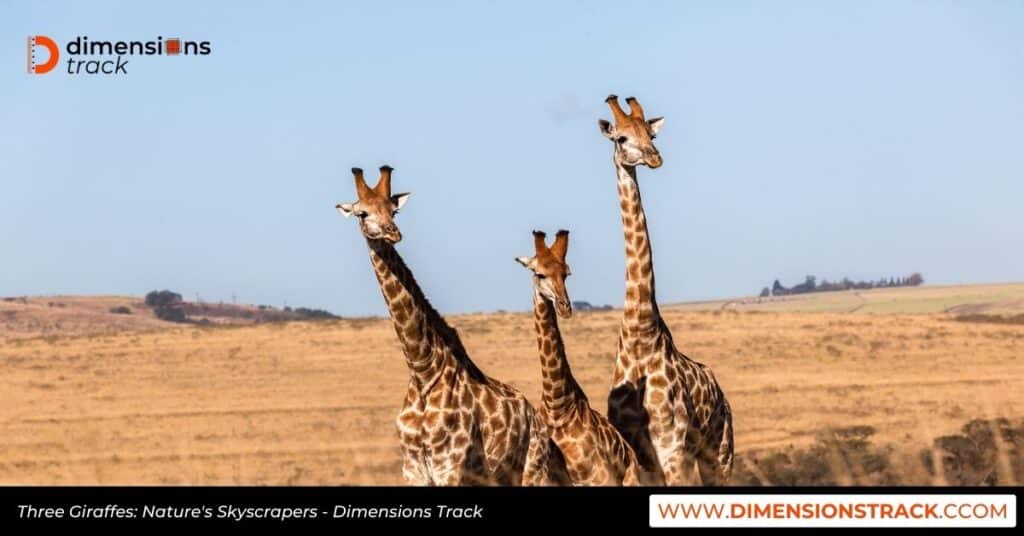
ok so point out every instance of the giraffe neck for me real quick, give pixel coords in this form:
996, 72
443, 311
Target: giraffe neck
640, 312
560, 388
424, 335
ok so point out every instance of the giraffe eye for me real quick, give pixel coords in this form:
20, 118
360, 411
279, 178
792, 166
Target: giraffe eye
622, 139
541, 276
362, 214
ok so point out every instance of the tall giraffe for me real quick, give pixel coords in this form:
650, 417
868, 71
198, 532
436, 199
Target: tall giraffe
457, 426
595, 452
668, 406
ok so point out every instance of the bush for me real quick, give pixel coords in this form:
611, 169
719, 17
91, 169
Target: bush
157, 298
167, 305
121, 310
315, 314
974, 456
984, 453
838, 455
172, 312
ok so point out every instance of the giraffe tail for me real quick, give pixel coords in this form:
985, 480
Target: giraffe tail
725, 447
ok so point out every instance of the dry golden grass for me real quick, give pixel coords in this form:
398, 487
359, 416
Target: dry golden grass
315, 402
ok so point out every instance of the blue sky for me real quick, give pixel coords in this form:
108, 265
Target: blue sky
859, 139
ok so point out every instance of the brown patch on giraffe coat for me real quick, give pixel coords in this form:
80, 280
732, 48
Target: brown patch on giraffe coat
408, 419
657, 382
646, 315
413, 331
656, 397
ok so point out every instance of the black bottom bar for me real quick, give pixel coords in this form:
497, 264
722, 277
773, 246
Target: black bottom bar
383, 508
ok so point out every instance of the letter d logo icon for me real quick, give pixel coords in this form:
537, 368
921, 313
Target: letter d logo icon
41, 41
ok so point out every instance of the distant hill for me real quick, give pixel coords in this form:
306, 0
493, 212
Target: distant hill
22, 317
1003, 298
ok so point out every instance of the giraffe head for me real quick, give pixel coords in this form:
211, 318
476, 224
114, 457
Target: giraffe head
376, 207
632, 134
550, 270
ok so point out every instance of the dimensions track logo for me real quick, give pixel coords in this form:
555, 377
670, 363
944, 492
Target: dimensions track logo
85, 56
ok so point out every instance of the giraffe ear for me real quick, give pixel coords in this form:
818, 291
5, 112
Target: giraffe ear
346, 209
607, 129
529, 262
398, 200
655, 124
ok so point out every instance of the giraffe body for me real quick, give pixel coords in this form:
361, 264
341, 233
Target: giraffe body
668, 406
595, 453
456, 426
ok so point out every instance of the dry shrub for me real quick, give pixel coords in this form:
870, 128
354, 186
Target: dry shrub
839, 456
984, 453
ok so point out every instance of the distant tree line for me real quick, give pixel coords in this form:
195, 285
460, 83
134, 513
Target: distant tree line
171, 307
811, 284
587, 306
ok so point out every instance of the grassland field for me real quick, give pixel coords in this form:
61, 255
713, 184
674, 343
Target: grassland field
90, 397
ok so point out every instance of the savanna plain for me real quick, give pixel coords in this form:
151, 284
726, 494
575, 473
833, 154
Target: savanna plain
889, 386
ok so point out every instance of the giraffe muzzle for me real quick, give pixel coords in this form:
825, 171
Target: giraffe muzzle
653, 160
564, 308
391, 234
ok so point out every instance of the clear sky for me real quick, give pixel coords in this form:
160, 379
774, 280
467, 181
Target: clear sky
859, 139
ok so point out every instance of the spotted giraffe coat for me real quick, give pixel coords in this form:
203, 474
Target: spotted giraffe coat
457, 426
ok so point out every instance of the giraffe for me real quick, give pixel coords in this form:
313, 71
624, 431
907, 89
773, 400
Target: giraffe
670, 407
457, 426
595, 453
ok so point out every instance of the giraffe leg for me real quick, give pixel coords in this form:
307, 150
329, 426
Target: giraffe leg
545, 465
680, 469
413, 470
715, 469
449, 468
678, 463
633, 475
628, 416
715, 458
710, 472
535, 469
725, 447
